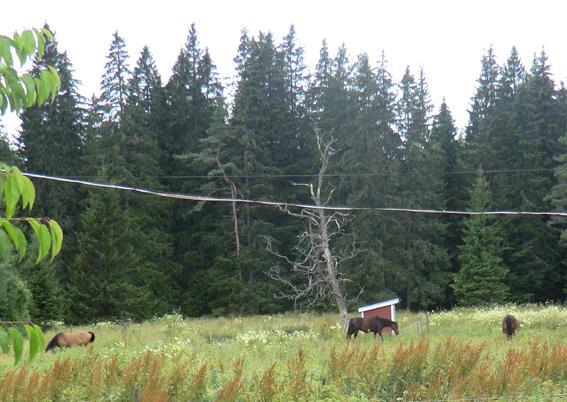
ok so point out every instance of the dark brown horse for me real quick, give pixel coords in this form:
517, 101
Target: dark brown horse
370, 324
509, 325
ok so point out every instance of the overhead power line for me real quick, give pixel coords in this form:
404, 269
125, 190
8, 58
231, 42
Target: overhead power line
281, 204
335, 175
339, 175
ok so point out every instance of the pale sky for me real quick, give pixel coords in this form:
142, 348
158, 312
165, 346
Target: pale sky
446, 38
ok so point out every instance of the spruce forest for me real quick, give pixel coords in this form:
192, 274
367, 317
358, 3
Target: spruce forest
133, 256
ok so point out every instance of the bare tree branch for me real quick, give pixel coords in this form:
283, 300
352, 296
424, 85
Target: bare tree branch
315, 275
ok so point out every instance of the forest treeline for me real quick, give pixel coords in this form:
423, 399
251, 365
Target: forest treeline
134, 256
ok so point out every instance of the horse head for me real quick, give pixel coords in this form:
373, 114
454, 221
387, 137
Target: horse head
395, 327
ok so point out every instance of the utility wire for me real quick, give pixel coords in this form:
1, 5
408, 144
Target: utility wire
347, 175
305, 175
284, 205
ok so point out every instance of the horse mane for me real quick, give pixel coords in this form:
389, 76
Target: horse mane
53, 342
385, 320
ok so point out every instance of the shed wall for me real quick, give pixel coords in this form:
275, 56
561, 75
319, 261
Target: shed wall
382, 312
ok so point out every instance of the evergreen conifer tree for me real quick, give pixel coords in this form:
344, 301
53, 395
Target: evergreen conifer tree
482, 278
114, 84
151, 215
106, 281
443, 137
109, 277
558, 195
422, 254
479, 133
45, 287
51, 142
15, 295
262, 123
533, 256
372, 158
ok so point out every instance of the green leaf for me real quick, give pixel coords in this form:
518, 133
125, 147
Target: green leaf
18, 342
28, 41
4, 242
56, 82
47, 33
17, 236
41, 90
40, 43
47, 80
6, 50
34, 223
28, 193
11, 230
22, 243
11, 194
3, 102
40, 337
30, 89
44, 242
34, 342
28, 329
56, 238
19, 178
4, 341
19, 46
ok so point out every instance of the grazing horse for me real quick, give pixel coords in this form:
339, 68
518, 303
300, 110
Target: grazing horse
66, 339
370, 324
509, 325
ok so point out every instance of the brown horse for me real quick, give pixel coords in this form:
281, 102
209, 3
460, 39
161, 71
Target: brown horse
370, 324
66, 339
509, 325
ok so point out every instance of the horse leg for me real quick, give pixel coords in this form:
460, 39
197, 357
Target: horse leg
380, 333
351, 332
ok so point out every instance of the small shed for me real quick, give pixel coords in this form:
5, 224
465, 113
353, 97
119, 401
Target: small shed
383, 309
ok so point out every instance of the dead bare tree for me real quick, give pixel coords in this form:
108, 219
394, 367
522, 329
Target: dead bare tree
215, 187
316, 271
233, 194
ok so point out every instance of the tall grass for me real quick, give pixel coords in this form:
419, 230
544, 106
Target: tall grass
438, 356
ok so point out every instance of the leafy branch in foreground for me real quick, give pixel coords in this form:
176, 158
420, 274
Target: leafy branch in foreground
13, 187
19, 91
35, 335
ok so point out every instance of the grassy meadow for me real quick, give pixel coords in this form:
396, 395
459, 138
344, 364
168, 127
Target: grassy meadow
456, 355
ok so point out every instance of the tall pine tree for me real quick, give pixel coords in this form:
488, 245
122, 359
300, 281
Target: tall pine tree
423, 259
483, 277
52, 142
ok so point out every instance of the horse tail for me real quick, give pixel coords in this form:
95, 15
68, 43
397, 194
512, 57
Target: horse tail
53, 342
92, 336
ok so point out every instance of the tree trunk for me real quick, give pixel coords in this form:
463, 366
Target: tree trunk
235, 218
332, 278
234, 213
